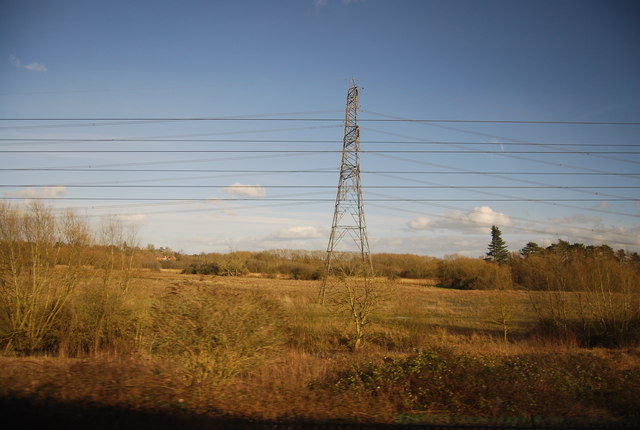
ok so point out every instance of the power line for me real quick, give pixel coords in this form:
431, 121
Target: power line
408, 172
395, 199
197, 160
484, 190
38, 141
290, 151
493, 136
511, 227
559, 204
394, 208
121, 120
395, 187
551, 163
55, 169
504, 154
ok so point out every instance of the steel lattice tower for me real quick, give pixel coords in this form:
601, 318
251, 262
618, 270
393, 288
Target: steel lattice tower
348, 216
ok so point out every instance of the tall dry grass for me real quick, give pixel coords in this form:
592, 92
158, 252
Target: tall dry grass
264, 348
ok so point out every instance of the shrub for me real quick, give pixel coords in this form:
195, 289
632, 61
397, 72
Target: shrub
472, 273
404, 265
303, 271
520, 385
215, 333
104, 318
202, 269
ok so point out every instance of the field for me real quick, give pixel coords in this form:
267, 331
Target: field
265, 349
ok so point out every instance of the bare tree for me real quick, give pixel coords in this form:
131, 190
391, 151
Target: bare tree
118, 243
358, 297
40, 263
502, 308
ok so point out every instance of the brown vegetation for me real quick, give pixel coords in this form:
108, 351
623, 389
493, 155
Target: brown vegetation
92, 319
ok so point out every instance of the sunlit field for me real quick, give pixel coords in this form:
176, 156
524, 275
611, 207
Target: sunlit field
265, 349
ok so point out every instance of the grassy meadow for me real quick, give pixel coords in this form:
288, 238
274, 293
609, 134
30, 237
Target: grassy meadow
90, 320
265, 349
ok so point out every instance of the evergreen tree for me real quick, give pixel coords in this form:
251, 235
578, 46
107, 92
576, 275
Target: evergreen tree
498, 251
530, 248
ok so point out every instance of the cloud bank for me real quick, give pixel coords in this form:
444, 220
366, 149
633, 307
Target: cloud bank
298, 232
39, 192
479, 217
36, 67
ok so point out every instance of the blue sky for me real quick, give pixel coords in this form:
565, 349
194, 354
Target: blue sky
464, 60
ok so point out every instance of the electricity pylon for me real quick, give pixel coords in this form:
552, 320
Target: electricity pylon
348, 216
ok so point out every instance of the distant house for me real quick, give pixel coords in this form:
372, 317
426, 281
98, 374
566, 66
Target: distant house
166, 258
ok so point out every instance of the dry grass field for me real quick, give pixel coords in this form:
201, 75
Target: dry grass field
265, 349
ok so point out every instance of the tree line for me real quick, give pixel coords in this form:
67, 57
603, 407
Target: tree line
59, 274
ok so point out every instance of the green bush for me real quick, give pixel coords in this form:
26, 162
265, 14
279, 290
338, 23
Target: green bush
304, 271
202, 269
526, 385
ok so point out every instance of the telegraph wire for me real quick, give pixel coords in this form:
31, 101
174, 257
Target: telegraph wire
332, 170
210, 205
394, 208
487, 135
480, 189
511, 227
197, 160
393, 187
129, 120
559, 204
209, 201
296, 200
210, 209
584, 169
276, 198
301, 151
505, 153
515, 179
39, 141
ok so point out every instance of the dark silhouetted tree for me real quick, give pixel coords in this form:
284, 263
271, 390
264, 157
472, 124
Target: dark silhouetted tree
498, 251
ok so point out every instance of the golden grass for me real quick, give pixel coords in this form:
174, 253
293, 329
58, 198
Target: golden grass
415, 315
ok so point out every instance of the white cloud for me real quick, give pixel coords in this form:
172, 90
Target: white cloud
41, 192
485, 216
239, 189
436, 245
593, 230
298, 232
419, 223
36, 67
478, 218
